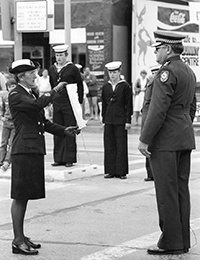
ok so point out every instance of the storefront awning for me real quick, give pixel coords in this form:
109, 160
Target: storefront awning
4, 43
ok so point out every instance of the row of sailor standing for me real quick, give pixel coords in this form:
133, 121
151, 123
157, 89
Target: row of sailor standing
117, 109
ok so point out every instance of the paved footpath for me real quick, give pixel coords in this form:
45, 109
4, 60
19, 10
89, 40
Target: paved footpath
129, 250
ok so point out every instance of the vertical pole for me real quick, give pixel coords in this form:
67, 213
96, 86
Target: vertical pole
6, 16
134, 26
67, 23
17, 38
18, 45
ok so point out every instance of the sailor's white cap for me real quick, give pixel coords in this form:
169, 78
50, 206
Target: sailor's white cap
114, 65
61, 48
22, 65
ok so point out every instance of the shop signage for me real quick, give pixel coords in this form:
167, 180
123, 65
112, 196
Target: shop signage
31, 16
95, 48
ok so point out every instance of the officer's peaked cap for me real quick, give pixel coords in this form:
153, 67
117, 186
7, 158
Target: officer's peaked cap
164, 37
22, 65
114, 65
61, 48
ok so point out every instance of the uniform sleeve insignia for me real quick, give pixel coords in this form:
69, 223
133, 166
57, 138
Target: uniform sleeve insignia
47, 95
164, 75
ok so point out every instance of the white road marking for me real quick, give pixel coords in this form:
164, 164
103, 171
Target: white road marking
136, 161
143, 169
142, 160
138, 170
195, 160
195, 152
132, 246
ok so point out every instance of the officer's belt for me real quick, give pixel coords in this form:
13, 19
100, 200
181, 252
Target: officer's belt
178, 111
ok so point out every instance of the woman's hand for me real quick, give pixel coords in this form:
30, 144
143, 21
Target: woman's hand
72, 130
60, 86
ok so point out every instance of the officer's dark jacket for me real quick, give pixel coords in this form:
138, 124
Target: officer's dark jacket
117, 105
166, 122
70, 74
29, 121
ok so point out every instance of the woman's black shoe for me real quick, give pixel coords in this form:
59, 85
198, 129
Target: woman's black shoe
30, 243
23, 249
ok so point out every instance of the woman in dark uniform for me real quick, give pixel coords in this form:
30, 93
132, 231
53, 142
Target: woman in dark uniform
28, 148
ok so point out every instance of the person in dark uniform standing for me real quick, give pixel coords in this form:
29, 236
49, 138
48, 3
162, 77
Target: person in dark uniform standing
117, 109
154, 70
167, 138
65, 148
28, 147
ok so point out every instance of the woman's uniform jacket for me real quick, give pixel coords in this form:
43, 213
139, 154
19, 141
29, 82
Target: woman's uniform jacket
29, 121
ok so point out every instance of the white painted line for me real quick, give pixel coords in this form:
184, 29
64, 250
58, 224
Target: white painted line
195, 152
137, 171
131, 246
136, 161
195, 160
123, 249
142, 160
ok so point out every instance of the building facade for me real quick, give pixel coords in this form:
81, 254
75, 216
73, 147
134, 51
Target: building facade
106, 30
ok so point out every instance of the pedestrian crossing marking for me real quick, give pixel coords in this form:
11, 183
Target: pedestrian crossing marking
132, 246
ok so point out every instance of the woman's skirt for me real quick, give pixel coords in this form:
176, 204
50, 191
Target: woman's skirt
27, 178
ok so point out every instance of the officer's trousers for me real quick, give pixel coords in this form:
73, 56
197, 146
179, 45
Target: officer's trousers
171, 172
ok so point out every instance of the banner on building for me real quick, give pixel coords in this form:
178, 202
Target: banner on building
169, 17
194, 12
